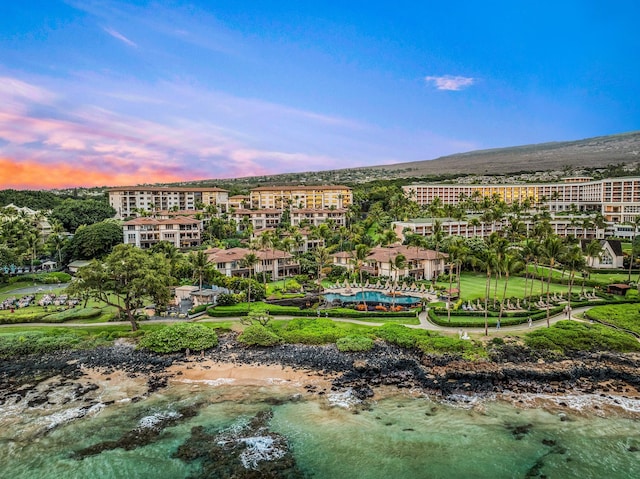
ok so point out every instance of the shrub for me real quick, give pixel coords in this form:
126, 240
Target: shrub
573, 336
354, 343
178, 337
258, 335
398, 335
311, 331
35, 342
226, 299
198, 309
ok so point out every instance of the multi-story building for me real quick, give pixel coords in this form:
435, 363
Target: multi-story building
301, 197
129, 201
468, 228
420, 263
230, 262
618, 199
304, 204
181, 231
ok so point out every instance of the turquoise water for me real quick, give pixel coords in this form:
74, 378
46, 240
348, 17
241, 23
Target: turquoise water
399, 436
373, 297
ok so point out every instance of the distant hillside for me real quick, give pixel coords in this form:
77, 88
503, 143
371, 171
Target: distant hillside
589, 153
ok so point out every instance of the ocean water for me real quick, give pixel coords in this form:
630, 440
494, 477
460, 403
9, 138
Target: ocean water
401, 435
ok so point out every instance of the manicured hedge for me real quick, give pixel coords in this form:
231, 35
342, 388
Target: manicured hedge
275, 310
492, 319
73, 313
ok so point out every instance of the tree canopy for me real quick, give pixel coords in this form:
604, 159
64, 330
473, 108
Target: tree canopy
73, 213
96, 240
126, 279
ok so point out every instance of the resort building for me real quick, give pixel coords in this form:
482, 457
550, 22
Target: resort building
237, 202
130, 201
420, 263
472, 227
301, 197
180, 231
618, 199
230, 262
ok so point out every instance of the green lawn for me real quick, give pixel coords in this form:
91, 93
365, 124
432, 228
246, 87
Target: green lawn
603, 278
625, 316
472, 287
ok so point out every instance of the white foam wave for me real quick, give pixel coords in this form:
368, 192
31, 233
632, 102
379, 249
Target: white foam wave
208, 382
344, 399
259, 449
582, 402
466, 401
149, 422
58, 418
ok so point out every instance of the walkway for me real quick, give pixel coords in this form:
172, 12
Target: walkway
422, 317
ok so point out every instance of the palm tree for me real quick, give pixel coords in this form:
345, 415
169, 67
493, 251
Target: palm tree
593, 250
396, 264
574, 260
636, 224
250, 260
499, 246
509, 264
266, 242
528, 254
359, 256
456, 250
553, 250
437, 235
199, 261
287, 246
487, 261
322, 258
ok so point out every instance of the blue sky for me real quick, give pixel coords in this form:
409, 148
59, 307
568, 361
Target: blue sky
113, 93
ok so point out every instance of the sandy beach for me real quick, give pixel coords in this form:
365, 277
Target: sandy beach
213, 372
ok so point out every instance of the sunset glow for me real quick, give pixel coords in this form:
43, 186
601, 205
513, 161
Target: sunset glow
111, 93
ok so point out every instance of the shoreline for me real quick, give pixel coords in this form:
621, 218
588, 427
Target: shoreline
589, 383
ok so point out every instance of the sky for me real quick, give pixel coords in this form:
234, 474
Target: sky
106, 93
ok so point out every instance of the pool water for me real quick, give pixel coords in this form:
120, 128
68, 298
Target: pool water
373, 297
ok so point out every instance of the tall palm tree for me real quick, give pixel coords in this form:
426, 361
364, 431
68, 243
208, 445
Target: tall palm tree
287, 246
359, 256
636, 224
199, 262
509, 264
322, 258
250, 260
499, 246
529, 254
266, 242
396, 264
593, 250
574, 260
486, 260
553, 249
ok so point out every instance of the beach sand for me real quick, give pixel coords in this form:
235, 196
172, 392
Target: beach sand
215, 372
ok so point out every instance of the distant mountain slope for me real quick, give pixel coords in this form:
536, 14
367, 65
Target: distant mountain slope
591, 153
597, 152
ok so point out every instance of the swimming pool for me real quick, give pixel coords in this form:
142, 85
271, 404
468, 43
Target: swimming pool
373, 297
